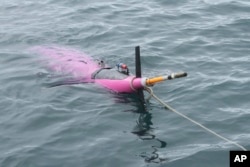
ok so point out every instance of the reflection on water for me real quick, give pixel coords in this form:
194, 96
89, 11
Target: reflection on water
144, 131
144, 127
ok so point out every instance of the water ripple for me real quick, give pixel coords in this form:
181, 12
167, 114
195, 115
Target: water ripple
85, 125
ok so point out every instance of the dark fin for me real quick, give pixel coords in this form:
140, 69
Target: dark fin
138, 72
137, 62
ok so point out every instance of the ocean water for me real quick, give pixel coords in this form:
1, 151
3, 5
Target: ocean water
86, 125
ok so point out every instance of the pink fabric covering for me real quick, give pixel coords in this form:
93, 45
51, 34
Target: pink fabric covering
80, 66
69, 61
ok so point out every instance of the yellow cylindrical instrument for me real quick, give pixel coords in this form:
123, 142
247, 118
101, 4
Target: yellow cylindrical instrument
152, 81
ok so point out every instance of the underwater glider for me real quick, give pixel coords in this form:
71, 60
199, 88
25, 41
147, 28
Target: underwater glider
83, 68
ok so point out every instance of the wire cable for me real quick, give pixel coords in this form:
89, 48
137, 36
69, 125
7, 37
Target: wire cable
150, 91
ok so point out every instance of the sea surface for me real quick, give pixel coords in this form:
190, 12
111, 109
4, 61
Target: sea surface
84, 125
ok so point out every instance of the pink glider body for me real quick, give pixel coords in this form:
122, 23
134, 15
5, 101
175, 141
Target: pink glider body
127, 85
81, 68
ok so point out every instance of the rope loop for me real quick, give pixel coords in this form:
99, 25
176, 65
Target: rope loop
131, 84
150, 91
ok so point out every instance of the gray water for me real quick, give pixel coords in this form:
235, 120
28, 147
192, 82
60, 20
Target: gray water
86, 125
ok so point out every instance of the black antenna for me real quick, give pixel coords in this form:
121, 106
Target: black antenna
138, 73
